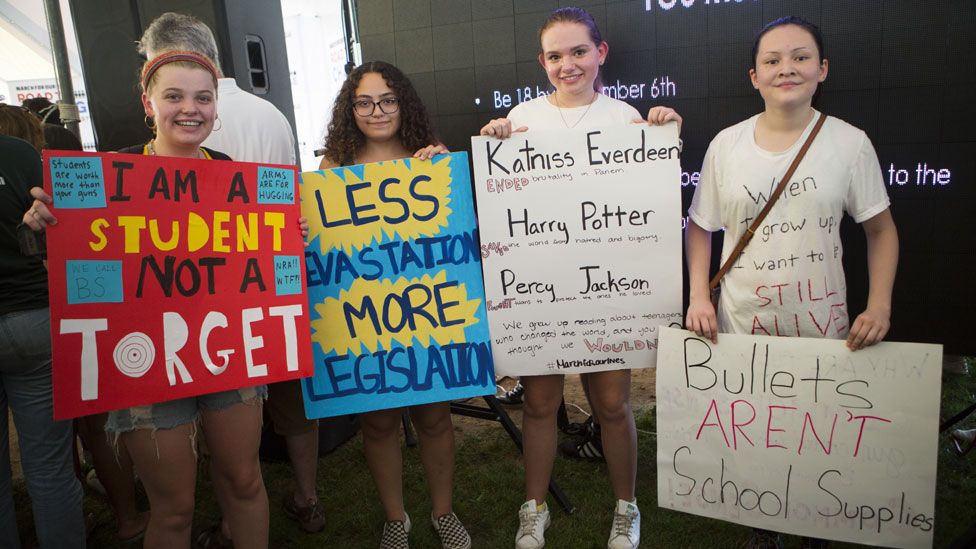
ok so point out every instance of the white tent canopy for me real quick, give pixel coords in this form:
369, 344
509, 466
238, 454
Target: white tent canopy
25, 46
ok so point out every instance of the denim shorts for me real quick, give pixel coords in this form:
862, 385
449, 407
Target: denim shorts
172, 413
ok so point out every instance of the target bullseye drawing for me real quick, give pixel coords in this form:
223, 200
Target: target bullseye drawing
134, 354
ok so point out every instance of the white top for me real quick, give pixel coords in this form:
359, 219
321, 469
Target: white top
790, 280
251, 129
540, 114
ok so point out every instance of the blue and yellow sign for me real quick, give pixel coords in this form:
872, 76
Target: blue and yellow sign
394, 285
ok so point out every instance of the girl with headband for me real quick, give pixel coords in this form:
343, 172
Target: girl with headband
179, 94
180, 98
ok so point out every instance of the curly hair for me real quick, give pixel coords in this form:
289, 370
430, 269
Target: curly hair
19, 122
343, 138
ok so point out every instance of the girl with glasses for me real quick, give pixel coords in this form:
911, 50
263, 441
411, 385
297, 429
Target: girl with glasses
378, 116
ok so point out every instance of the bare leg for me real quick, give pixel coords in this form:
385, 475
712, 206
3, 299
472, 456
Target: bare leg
435, 431
303, 452
168, 468
115, 473
541, 402
381, 443
610, 397
585, 383
233, 436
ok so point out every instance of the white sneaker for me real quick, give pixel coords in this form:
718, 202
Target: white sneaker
625, 531
532, 526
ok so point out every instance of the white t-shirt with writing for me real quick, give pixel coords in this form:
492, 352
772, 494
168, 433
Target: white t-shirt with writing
540, 114
790, 280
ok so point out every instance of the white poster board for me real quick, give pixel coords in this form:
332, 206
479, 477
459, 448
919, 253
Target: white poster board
581, 246
800, 435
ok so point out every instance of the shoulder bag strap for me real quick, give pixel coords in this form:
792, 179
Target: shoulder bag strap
751, 231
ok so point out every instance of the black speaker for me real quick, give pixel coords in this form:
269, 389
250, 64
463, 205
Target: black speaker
250, 38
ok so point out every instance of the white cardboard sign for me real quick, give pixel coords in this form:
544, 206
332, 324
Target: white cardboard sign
581, 246
800, 435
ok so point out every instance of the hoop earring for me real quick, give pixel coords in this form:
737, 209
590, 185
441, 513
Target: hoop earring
217, 129
150, 123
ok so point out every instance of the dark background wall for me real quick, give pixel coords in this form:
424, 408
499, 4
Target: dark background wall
901, 70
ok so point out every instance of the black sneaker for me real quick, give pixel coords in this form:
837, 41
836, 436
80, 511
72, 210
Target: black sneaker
813, 543
512, 397
588, 446
763, 539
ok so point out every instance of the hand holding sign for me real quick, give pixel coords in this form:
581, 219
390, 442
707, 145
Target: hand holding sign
800, 435
161, 278
569, 220
395, 287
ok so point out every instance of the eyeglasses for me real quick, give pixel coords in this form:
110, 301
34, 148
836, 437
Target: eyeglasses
366, 107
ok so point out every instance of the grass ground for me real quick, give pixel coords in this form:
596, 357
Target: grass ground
489, 492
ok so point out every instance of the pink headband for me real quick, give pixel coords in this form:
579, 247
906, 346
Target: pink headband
166, 58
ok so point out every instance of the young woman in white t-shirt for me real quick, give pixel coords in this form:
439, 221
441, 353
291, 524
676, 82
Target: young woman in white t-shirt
801, 246
572, 53
790, 281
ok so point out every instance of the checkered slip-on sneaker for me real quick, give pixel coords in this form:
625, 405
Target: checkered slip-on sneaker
451, 531
395, 534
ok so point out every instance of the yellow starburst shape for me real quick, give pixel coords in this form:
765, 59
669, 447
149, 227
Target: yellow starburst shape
352, 207
372, 313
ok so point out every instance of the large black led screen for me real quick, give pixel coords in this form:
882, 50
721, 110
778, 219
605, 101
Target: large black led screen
902, 70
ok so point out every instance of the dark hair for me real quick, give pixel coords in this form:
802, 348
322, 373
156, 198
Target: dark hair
60, 138
19, 122
343, 138
575, 15
43, 109
790, 20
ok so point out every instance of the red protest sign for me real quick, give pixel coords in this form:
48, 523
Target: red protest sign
171, 278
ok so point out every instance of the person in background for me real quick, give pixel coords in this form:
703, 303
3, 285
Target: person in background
25, 358
112, 473
572, 53
17, 122
56, 135
253, 130
789, 63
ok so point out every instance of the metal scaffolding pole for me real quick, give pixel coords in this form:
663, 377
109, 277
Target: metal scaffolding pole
62, 68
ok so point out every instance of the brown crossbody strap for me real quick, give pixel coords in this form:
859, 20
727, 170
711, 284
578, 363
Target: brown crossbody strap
751, 231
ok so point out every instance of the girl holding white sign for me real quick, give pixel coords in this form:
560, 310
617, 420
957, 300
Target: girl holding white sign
378, 116
572, 53
791, 281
